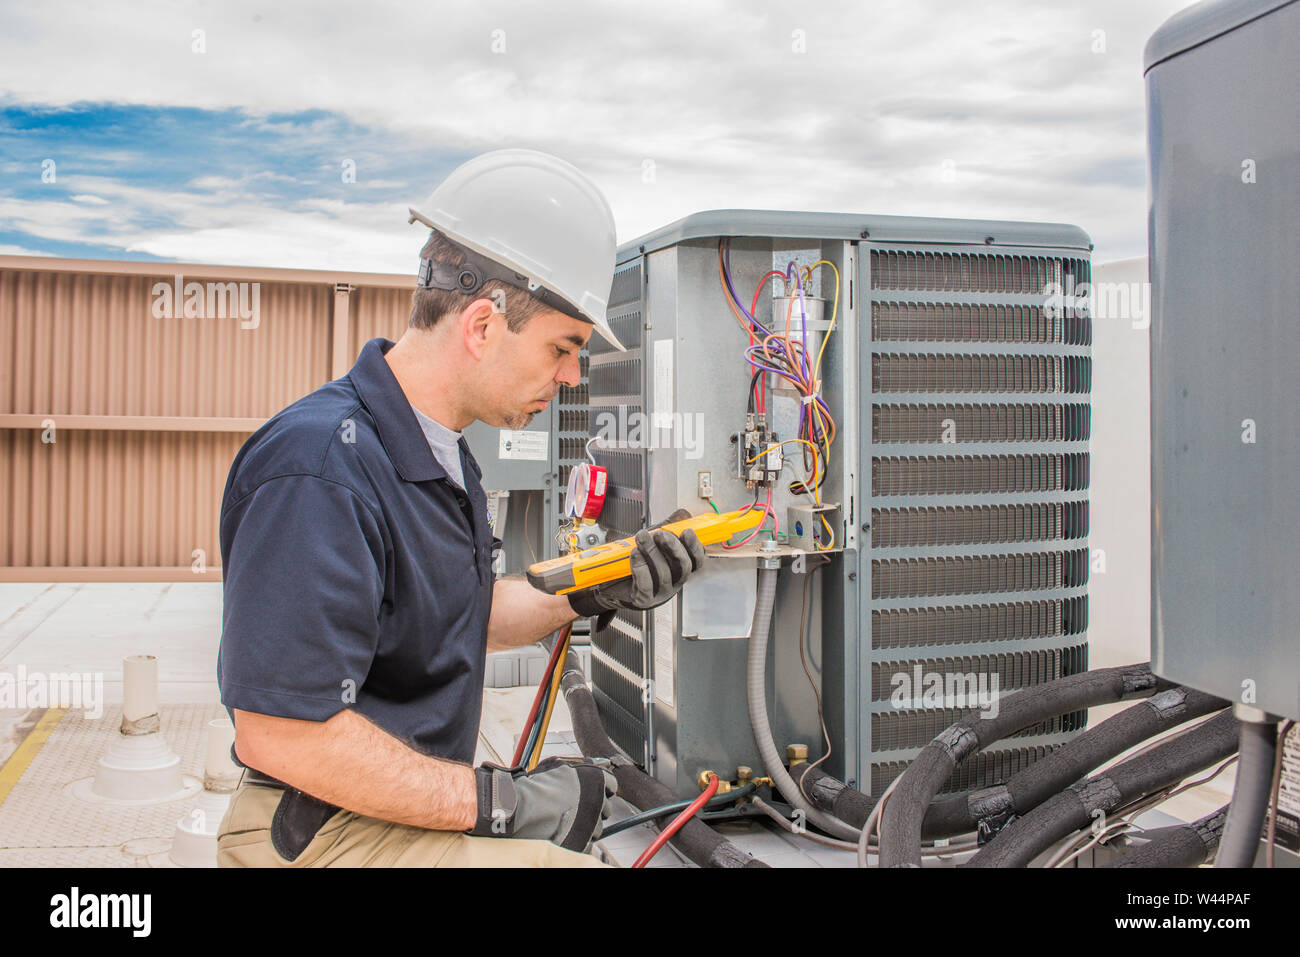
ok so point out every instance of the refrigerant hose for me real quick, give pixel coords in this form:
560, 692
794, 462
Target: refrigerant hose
1110, 791
901, 822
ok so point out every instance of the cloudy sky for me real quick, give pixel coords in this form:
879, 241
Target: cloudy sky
223, 132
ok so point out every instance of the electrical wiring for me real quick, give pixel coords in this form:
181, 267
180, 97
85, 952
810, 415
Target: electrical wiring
873, 819
666, 834
803, 621
528, 503
746, 320
834, 312
766, 508
1119, 827
816, 498
786, 824
1131, 811
753, 309
788, 358
713, 505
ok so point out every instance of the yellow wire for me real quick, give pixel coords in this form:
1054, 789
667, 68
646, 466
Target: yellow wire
778, 445
834, 312
829, 532
550, 706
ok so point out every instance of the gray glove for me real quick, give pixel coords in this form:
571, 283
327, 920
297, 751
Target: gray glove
661, 563
562, 800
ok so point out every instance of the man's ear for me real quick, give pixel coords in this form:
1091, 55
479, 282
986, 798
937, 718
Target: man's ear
477, 324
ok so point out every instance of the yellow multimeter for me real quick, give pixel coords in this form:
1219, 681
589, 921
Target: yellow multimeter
612, 561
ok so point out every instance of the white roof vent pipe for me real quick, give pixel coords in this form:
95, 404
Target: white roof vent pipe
194, 843
138, 767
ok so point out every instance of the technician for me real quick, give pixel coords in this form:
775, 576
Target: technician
359, 592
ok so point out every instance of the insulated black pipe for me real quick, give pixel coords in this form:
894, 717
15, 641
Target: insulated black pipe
699, 842
902, 819
1025, 790
833, 796
1164, 765
1250, 795
1186, 845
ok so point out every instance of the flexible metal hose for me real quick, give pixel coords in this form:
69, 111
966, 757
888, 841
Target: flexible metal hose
756, 689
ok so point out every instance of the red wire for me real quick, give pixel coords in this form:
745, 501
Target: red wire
542, 690
666, 834
753, 309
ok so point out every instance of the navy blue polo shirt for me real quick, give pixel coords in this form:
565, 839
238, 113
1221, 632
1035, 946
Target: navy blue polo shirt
356, 575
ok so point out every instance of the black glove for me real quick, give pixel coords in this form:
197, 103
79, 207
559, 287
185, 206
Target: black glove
661, 563
562, 800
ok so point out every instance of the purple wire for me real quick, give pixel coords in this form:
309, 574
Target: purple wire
726, 272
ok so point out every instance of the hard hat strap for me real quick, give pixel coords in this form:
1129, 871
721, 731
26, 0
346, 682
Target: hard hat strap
469, 277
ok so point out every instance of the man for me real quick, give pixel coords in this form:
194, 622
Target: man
359, 595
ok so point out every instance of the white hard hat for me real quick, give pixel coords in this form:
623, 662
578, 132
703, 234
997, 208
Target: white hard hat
539, 217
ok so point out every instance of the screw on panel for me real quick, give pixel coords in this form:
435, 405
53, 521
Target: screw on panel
853, 576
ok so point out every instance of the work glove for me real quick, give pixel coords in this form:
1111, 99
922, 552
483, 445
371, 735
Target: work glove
661, 563
562, 800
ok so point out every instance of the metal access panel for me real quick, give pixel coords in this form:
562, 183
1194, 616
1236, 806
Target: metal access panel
1224, 157
960, 468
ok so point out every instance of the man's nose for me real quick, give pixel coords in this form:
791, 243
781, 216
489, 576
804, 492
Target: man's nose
570, 373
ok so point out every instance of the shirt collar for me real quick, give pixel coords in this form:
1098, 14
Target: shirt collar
399, 430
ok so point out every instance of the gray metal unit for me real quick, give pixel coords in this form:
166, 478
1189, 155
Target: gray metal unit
1225, 435
531, 520
620, 652
963, 556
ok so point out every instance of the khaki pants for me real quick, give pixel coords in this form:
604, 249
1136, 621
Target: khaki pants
353, 840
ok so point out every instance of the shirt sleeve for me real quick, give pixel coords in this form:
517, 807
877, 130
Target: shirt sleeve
303, 589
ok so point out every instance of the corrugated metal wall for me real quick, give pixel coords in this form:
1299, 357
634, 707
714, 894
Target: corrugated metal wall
119, 418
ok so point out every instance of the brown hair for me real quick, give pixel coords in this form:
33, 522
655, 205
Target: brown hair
430, 305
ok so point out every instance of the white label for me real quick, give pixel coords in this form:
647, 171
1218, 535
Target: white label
1288, 794
524, 445
663, 397
665, 650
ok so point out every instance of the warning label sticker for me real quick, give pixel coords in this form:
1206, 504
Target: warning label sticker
1288, 794
665, 650
518, 444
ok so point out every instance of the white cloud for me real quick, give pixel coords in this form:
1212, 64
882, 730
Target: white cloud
713, 93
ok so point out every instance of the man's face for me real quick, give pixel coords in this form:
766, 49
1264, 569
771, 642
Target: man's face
523, 371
